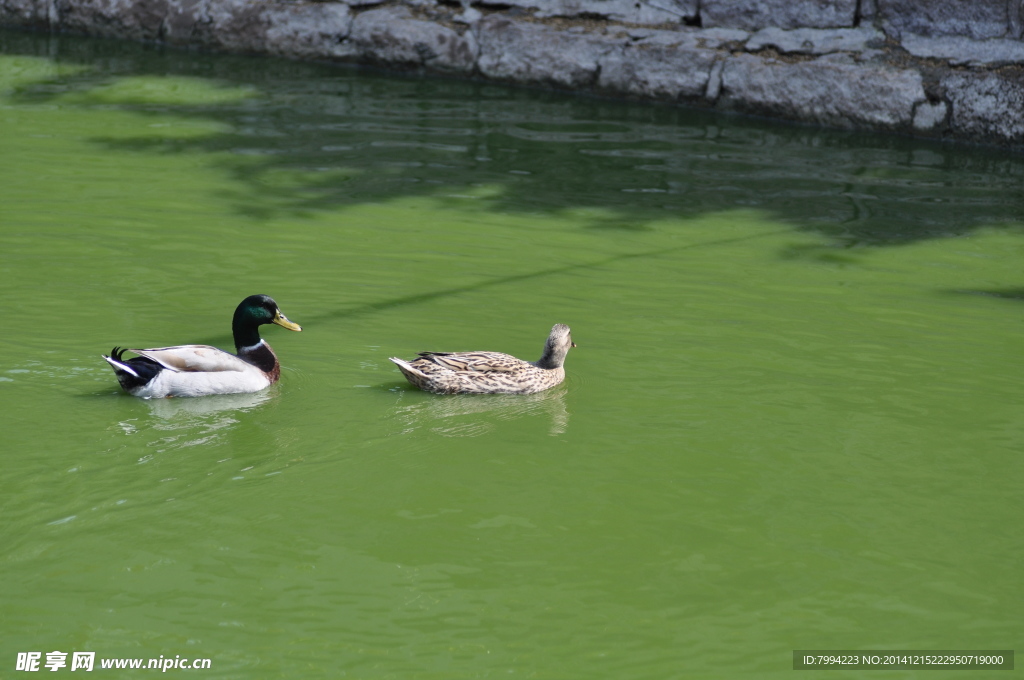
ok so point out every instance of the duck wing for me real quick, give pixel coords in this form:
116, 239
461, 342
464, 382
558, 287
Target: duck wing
195, 358
475, 362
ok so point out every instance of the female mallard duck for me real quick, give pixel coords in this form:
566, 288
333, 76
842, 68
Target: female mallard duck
199, 370
489, 372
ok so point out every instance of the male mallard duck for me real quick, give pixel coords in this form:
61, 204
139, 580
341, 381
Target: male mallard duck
489, 372
199, 370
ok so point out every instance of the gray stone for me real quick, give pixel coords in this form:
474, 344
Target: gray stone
544, 5
645, 12
312, 30
714, 81
27, 13
391, 35
960, 51
654, 70
526, 52
470, 16
976, 19
930, 117
868, 11
180, 21
753, 15
708, 38
1015, 19
848, 84
820, 91
652, 11
870, 54
113, 18
836, 58
294, 29
987, 106
717, 37
634, 11
815, 40
233, 25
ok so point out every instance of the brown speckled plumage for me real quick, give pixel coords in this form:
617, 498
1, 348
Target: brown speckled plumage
489, 372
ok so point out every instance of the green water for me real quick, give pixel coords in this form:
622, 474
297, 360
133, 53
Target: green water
793, 420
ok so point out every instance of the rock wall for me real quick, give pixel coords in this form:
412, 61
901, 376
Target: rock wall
934, 68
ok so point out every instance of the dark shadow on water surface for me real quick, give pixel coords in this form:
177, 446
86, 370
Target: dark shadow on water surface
1015, 294
313, 137
503, 280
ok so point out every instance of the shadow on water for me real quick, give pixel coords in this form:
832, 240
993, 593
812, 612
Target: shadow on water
503, 280
1015, 294
311, 137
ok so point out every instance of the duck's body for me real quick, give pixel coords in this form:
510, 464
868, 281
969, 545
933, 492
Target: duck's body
199, 370
194, 370
489, 372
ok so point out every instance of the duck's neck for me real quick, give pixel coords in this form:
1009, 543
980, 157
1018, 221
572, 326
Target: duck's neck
251, 347
552, 357
262, 357
246, 332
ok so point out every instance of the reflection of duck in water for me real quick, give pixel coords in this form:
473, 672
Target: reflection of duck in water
170, 409
198, 370
490, 372
178, 423
470, 417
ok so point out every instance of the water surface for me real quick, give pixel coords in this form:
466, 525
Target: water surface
793, 420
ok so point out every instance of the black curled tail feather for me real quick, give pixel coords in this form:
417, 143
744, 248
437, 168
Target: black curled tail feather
141, 369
